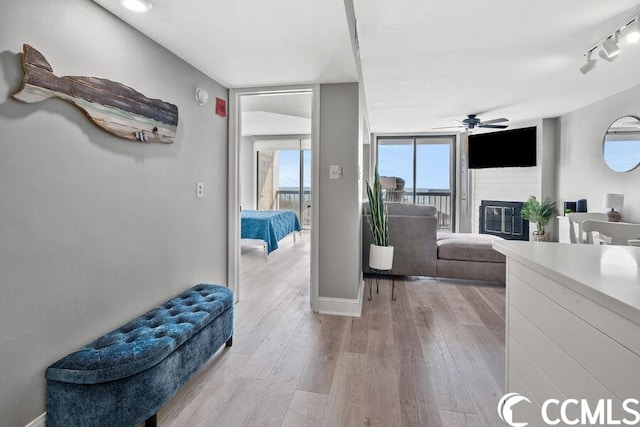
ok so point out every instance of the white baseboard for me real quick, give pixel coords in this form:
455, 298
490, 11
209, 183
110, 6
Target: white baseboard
341, 306
41, 421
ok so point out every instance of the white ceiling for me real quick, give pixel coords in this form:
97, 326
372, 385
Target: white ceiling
276, 114
425, 63
267, 123
246, 43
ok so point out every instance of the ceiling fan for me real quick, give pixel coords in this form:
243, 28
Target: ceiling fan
472, 121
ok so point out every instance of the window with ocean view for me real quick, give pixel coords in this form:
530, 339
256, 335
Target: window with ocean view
284, 178
426, 166
290, 193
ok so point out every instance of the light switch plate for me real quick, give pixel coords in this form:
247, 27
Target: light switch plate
335, 172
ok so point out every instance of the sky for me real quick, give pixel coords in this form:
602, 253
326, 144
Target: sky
622, 156
433, 166
289, 172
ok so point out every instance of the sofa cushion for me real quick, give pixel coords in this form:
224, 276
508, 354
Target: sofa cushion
468, 247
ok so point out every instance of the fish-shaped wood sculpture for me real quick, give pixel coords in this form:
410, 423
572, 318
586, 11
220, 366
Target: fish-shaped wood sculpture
116, 108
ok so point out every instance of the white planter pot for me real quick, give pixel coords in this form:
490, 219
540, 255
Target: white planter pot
380, 257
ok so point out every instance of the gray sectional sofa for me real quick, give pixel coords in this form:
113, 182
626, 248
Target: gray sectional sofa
420, 250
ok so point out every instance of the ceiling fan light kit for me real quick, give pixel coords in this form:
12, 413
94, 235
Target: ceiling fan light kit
608, 47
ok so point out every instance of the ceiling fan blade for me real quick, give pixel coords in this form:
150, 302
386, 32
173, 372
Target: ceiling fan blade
482, 125
490, 122
450, 127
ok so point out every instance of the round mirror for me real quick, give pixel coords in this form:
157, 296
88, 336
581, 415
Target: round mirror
621, 145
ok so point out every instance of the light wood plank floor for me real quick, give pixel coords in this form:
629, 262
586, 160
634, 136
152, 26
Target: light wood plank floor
433, 357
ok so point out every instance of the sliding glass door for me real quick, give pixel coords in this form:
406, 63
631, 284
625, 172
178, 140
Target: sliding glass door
426, 165
284, 176
395, 160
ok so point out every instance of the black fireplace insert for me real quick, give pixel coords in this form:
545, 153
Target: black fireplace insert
502, 218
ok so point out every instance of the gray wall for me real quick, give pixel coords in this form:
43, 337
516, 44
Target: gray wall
339, 211
582, 172
95, 230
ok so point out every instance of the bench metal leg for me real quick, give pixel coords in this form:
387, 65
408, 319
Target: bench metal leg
152, 421
229, 342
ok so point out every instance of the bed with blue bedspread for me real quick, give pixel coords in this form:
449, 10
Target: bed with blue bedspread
269, 226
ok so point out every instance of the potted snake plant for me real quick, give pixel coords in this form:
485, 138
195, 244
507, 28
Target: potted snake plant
380, 252
539, 213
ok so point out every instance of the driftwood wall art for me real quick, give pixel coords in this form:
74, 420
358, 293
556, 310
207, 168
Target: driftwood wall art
118, 109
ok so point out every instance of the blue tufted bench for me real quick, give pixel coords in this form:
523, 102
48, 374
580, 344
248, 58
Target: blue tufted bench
127, 375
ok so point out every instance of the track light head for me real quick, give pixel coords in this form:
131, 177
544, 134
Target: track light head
610, 46
602, 54
590, 65
634, 32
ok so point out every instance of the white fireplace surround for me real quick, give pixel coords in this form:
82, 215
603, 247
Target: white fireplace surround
518, 183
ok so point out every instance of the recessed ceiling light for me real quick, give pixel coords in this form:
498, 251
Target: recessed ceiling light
137, 6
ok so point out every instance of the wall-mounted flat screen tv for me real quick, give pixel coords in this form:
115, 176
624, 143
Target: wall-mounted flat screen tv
505, 149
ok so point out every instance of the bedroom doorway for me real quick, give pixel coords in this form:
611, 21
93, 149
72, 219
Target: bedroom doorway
272, 137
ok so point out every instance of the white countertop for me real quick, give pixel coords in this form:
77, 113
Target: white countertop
608, 275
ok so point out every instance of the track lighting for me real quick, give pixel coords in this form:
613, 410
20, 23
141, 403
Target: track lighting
604, 56
590, 65
610, 47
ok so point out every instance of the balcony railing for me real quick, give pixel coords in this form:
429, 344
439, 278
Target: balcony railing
441, 200
290, 199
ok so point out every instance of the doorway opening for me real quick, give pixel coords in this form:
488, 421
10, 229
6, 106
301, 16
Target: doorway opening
272, 169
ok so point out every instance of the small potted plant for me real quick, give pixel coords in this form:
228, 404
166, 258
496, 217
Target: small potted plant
539, 213
380, 252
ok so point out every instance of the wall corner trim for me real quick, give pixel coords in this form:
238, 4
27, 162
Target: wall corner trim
342, 306
41, 421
